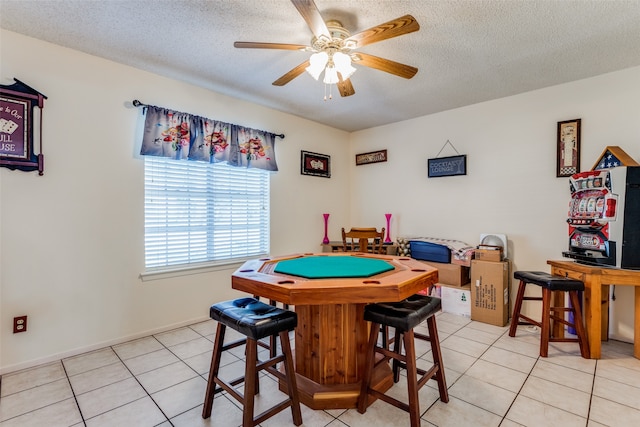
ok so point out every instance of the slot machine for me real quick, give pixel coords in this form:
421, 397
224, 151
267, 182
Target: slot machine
604, 217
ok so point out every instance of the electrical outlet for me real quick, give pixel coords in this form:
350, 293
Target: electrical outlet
19, 324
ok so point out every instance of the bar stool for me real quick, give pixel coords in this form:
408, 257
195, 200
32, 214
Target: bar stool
549, 285
404, 316
255, 320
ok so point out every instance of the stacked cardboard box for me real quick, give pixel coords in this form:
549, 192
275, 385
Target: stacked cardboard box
490, 291
455, 299
451, 274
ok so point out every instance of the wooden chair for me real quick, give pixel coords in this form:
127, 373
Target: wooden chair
371, 240
363, 240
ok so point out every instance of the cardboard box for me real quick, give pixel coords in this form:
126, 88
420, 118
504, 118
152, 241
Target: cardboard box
455, 299
451, 274
494, 255
490, 292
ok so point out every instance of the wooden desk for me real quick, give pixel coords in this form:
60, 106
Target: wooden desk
596, 281
331, 337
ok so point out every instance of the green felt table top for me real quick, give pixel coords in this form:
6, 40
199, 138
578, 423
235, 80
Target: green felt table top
324, 267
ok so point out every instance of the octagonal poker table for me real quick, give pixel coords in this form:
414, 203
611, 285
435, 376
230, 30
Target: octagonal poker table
329, 292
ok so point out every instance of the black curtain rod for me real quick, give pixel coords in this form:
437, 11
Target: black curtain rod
137, 103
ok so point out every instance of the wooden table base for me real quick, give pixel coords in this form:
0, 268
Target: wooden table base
339, 396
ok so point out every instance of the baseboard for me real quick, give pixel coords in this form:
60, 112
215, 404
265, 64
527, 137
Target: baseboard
63, 355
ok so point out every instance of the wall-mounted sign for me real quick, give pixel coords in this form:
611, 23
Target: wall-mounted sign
372, 157
17, 103
448, 166
315, 164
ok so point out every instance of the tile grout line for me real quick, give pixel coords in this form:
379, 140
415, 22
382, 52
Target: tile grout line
75, 398
138, 381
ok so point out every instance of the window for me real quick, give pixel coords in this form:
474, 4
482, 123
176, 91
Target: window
197, 212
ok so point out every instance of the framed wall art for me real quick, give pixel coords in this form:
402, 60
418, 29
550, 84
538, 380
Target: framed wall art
17, 104
315, 164
372, 157
568, 155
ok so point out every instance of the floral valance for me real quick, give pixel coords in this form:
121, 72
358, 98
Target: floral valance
183, 136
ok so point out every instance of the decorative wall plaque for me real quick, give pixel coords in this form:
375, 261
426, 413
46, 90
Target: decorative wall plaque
447, 166
372, 157
17, 103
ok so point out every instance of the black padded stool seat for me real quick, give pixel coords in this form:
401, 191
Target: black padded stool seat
254, 320
550, 284
404, 316
546, 280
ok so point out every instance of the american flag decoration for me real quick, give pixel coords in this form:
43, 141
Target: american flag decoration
612, 157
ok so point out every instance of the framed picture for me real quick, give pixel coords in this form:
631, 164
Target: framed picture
447, 166
568, 158
315, 164
17, 105
372, 157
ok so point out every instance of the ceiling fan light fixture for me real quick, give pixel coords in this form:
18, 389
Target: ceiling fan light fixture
343, 65
317, 63
330, 75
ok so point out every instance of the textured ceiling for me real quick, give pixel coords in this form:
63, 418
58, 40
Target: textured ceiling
467, 51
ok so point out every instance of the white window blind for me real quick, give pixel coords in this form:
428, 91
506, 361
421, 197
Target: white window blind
196, 212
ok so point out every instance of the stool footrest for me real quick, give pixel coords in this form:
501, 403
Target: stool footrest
529, 321
271, 412
234, 344
395, 402
564, 339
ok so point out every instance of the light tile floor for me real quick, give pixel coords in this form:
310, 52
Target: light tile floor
493, 380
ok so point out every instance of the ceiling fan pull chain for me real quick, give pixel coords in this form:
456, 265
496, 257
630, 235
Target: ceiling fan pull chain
325, 91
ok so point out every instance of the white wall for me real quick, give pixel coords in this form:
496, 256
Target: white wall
511, 185
71, 244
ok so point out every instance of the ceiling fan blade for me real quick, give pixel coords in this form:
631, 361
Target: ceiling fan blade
258, 45
344, 86
386, 65
292, 74
311, 15
397, 27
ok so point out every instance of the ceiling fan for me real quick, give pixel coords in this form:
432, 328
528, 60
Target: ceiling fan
334, 48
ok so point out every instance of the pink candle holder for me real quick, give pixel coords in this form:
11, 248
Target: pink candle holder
325, 241
387, 240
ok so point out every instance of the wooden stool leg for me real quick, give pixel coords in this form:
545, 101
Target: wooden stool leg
368, 367
578, 325
517, 306
250, 376
545, 331
437, 359
290, 373
412, 378
213, 370
397, 348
